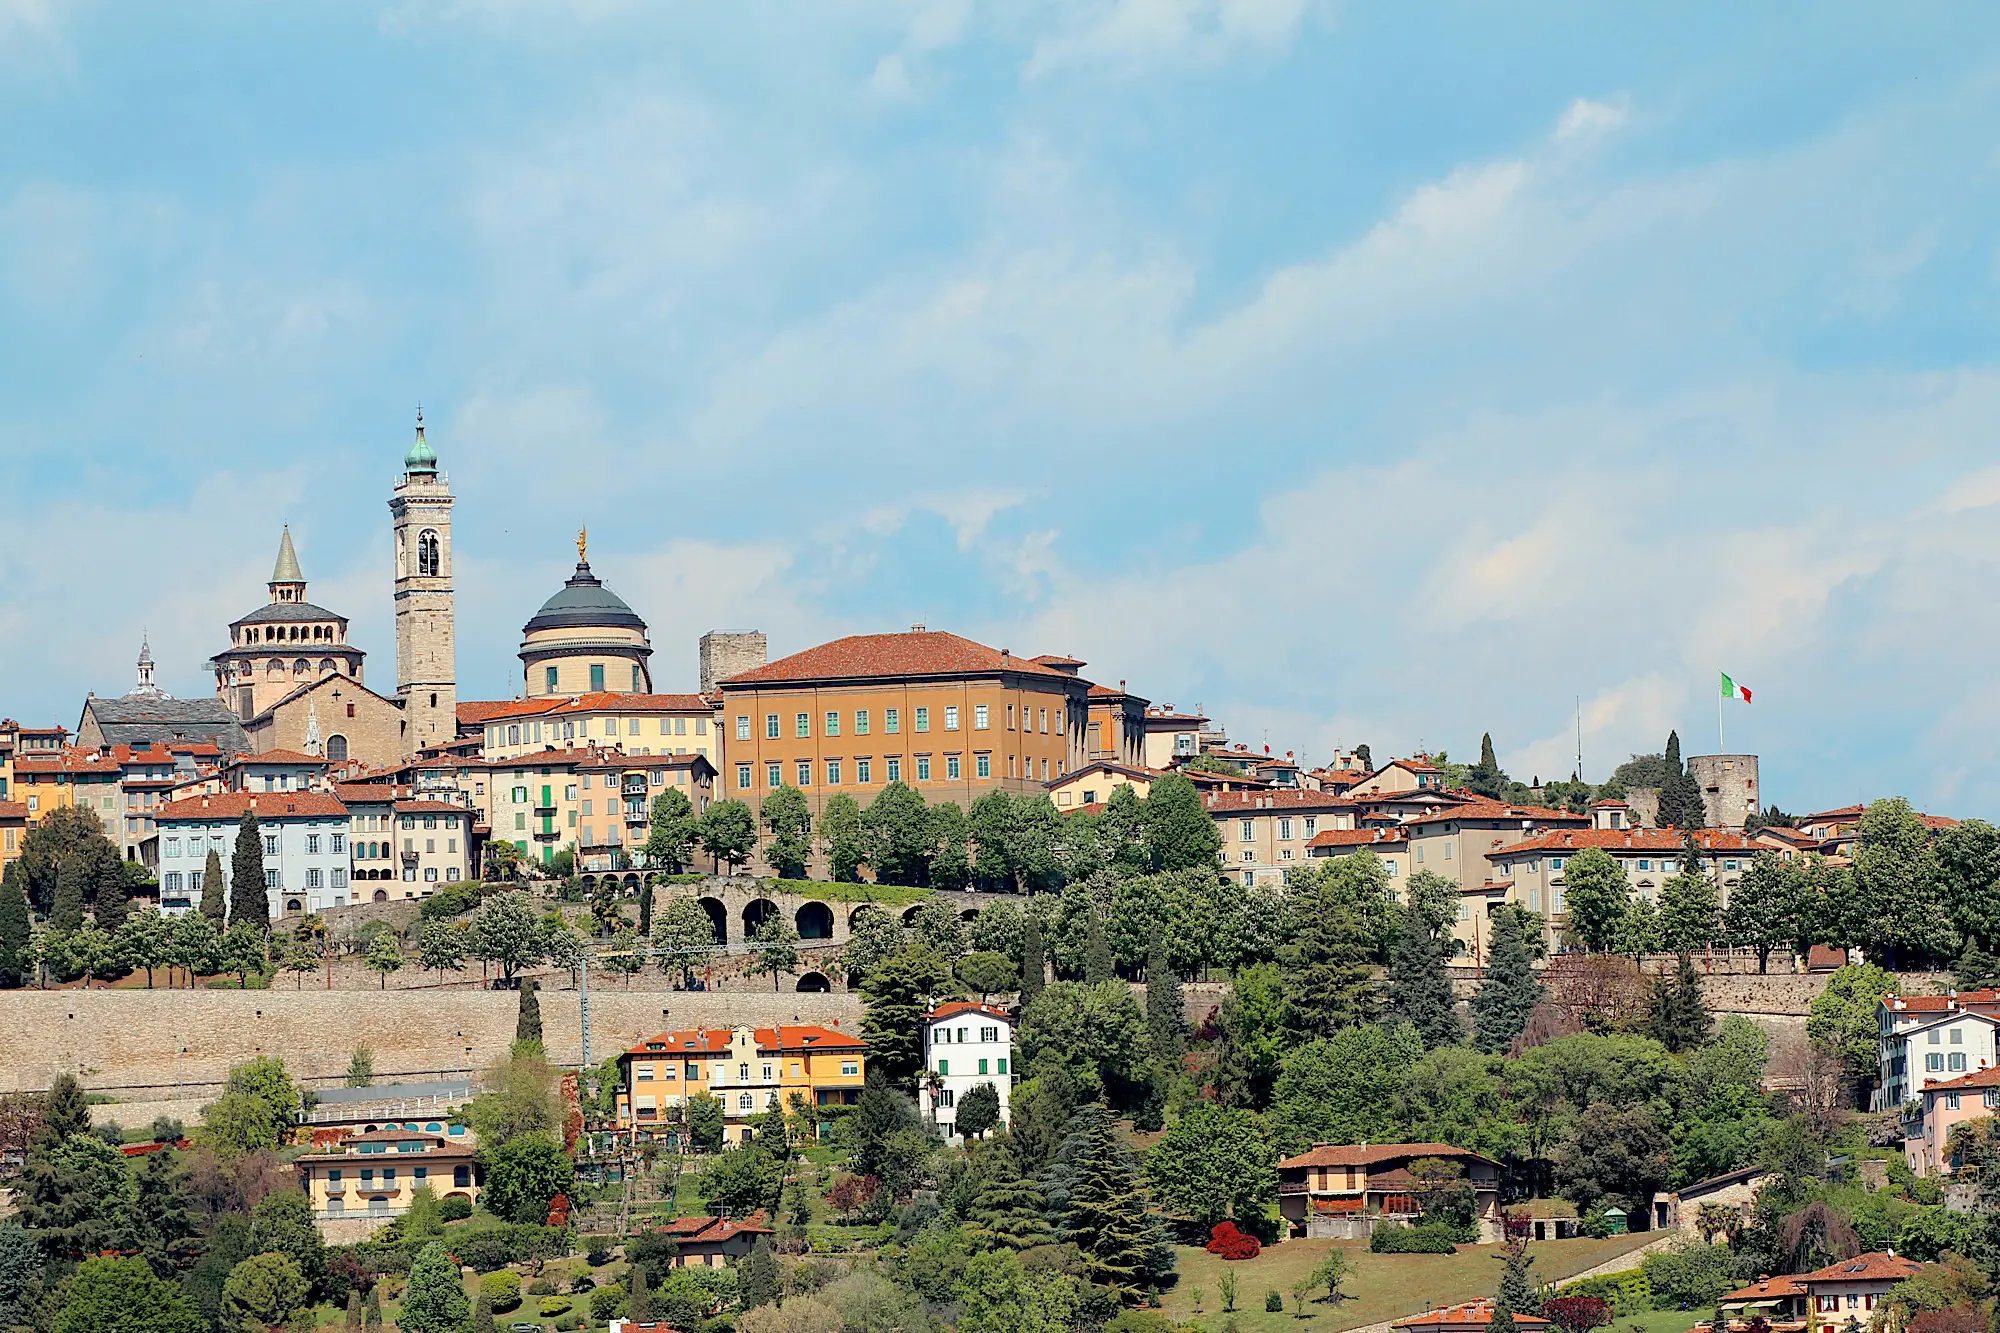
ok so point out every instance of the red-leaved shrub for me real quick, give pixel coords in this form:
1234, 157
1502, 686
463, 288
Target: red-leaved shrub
1230, 1243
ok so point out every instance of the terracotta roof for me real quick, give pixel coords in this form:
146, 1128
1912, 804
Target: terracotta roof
957, 1007
1472, 1313
13, 809
1480, 807
1057, 659
72, 760
1980, 1078
917, 653
1359, 837
606, 701
1938, 1004
485, 710
708, 1041
1273, 799
1872, 1267
1635, 840
361, 792
276, 757
1328, 1154
1844, 812
1769, 1289
615, 759
713, 1228
268, 805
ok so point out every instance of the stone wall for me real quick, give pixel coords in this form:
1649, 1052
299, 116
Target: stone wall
174, 1046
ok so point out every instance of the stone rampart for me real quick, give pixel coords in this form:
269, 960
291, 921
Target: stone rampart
172, 1046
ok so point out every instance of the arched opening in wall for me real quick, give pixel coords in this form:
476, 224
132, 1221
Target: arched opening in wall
910, 915
855, 915
814, 981
756, 913
294, 905
427, 555
589, 882
969, 914
815, 922
336, 749
631, 884
718, 918
301, 667
381, 896
326, 666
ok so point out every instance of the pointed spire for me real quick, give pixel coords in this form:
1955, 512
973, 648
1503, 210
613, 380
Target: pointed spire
287, 570
145, 687
421, 458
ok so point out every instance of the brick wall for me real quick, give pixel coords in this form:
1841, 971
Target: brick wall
168, 1046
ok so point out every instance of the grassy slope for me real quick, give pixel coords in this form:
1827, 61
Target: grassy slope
1381, 1287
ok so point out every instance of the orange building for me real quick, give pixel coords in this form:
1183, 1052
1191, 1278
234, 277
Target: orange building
953, 718
749, 1071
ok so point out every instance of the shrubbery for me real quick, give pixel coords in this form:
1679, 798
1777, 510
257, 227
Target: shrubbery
455, 1209
493, 1249
1428, 1238
1230, 1243
501, 1289
1629, 1292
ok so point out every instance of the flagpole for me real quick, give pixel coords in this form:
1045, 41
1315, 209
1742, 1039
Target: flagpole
1721, 746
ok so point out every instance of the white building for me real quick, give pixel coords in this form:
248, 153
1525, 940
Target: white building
965, 1045
305, 848
1932, 1039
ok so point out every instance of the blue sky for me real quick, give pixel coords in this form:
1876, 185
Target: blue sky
1383, 373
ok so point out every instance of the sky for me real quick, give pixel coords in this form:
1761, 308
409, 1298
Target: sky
1384, 373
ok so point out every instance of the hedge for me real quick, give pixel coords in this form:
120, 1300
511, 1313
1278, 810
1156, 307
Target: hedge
894, 895
1429, 1238
1629, 1292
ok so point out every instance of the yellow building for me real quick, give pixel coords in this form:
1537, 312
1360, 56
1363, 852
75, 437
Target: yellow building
638, 723
750, 1071
376, 1174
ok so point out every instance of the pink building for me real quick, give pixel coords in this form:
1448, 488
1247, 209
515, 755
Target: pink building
1927, 1139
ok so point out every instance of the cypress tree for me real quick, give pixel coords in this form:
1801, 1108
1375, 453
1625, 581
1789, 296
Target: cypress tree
64, 1111
352, 1324
16, 928
1166, 1016
482, 1311
1420, 989
214, 903
1009, 1212
759, 1284
1097, 964
1510, 990
646, 908
1034, 968
639, 1299
1679, 1018
246, 876
1103, 1205
66, 911
372, 1315
528, 1022
113, 902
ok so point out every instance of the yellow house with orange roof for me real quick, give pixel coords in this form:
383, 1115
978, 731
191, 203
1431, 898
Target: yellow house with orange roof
748, 1070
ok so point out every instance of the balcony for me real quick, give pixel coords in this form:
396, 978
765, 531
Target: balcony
409, 858
636, 817
545, 812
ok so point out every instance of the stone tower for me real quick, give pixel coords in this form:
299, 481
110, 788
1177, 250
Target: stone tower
426, 657
724, 654
1728, 788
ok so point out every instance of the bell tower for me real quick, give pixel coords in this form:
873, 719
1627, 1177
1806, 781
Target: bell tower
426, 656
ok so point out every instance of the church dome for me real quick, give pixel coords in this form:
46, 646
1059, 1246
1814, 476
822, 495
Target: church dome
421, 458
584, 603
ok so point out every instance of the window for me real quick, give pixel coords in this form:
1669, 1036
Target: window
951, 767
1934, 1063
802, 724
1956, 1061
1284, 830
833, 772
1246, 830
1729, 865
173, 881
833, 724
982, 764
313, 878
861, 722
644, 1072
1645, 864
743, 775
1958, 1036
850, 1068
173, 846
892, 720
1951, 1101
923, 719
1555, 864
923, 768
638, 682
270, 879
989, 1034
1003, 1064
979, 717
744, 1102
339, 843
947, 1098
895, 770
597, 677
982, 1066
774, 775
743, 727
950, 718
1312, 825
805, 772
861, 773
944, 1066
271, 845
770, 726
1247, 856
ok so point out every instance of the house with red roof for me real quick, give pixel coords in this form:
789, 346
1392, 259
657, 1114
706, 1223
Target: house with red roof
1844, 1295
1941, 1108
1468, 1317
304, 844
713, 1242
1928, 1039
1346, 1190
966, 1043
1533, 866
748, 1070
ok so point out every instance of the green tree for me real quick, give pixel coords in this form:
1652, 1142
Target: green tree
1615, 1154
145, 940
789, 819
1843, 1016
1103, 1209
1486, 777
16, 926
704, 1120
1325, 962
434, 1301
639, 1300
948, 834
281, 1223
897, 833
1509, 990
385, 956
1097, 964
936, 925
759, 1282
1344, 1088
528, 1016
20, 1272
214, 895
1419, 991
776, 947
978, 1111
161, 1209
1034, 967
72, 877
1166, 1011
505, 932
1180, 832
523, 1174
482, 1315
247, 901
360, 1068
841, 838
1764, 907
898, 994
1095, 1034
266, 1078
123, 1296
987, 973
683, 926
727, 831
1214, 1163
441, 948
670, 836
1331, 1273
1010, 1211
1598, 897
267, 1288
74, 1193
1898, 878
1690, 912
998, 1294
1678, 1018
1253, 1023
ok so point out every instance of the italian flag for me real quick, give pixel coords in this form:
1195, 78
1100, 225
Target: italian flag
1733, 690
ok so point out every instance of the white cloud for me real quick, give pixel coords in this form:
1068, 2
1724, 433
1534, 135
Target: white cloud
1129, 37
1587, 119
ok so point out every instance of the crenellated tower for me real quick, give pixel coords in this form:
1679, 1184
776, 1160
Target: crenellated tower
426, 655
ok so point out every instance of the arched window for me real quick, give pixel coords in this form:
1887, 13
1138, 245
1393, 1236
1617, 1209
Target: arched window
274, 669
326, 665
336, 749
301, 666
427, 554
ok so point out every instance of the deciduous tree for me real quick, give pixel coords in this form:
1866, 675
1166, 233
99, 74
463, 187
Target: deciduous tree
670, 835
727, 832
789, 819
1214, 1163
1598, 897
